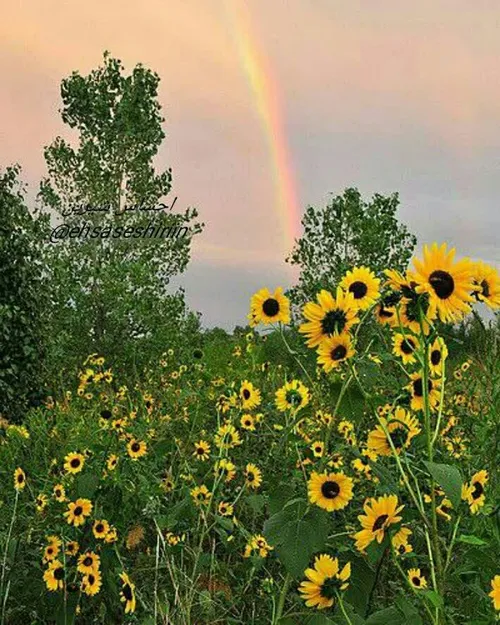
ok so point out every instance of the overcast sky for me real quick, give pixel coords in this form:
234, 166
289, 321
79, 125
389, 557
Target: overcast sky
386, 96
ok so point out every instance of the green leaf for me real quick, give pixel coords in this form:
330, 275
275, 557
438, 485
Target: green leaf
297, 533
450, 480
388, 616
470, 539
435, 598
410, 612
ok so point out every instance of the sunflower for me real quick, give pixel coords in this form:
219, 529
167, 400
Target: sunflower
51, 552
201, 495
400, 541
247, 422
444, 509
336, 461
74, 462
225, 469
19, 479
78, 511
318, 449
330, 491
72, 548
401, 428
225, 509
495, 592
111, 462
335, 350
326, 418
437, 355
41, 502
324, 581
136, 449
448, 284
227, 437
379, 515
249, 395
329, 316
127, 593
59, 493
404, 346
267, 307
292, 396
54, 576
416, 387
416, 579
201, 450
475, 491
258, 544
88, 562
363, 285
486, 284
91, 583
100, 529
253, 476
385, 311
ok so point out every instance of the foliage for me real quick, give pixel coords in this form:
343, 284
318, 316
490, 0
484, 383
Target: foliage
349, 231
111, 293
23, 298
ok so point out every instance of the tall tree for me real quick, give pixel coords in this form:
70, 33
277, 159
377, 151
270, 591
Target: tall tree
23, 297
347, 232
112, 293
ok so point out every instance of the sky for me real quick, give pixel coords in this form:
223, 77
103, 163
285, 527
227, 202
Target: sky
271, 107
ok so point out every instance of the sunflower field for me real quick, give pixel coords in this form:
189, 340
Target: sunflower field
340, 468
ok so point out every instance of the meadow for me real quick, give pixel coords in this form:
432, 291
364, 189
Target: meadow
338, 466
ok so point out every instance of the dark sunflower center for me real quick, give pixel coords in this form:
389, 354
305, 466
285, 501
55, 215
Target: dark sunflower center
416, 581
485, 287
200, 451
246, 393
148, 404
333, 321
358, 289
407, 346
135, 447
442, 282
329, 587
75, 463
383, 312
78, 511
99, 528
330, 489
106, 414
50, 551
379, 522
59, 573
435, 357
127, 592
91, 579
418, 387
445, 509
339, 352
197, 353
478, 490
250, 477
88, 561
20, 478
271, 307
402, 549
293, 397
398, 437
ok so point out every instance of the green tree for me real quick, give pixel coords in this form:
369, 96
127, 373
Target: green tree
348, 232
22, 299
112, 295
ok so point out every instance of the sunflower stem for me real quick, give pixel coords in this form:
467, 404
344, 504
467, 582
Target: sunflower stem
281, 601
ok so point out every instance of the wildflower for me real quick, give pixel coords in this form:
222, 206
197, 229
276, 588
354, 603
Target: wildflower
91, 583
330, 491
54, 576
400, 541
225, 469
416, 579
292, 396
78, 511
74, 462
100, 529
486, 282
335, 350
227, 437
19, 479
127, 593
253, 476
379, 515
249, 395
201, 495
404, 346
267, 307
201, 450
495, 592
59, 493
324, 581
400, 428
88, 562
329, 316
136, 449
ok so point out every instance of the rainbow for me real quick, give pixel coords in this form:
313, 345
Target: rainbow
268, 104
